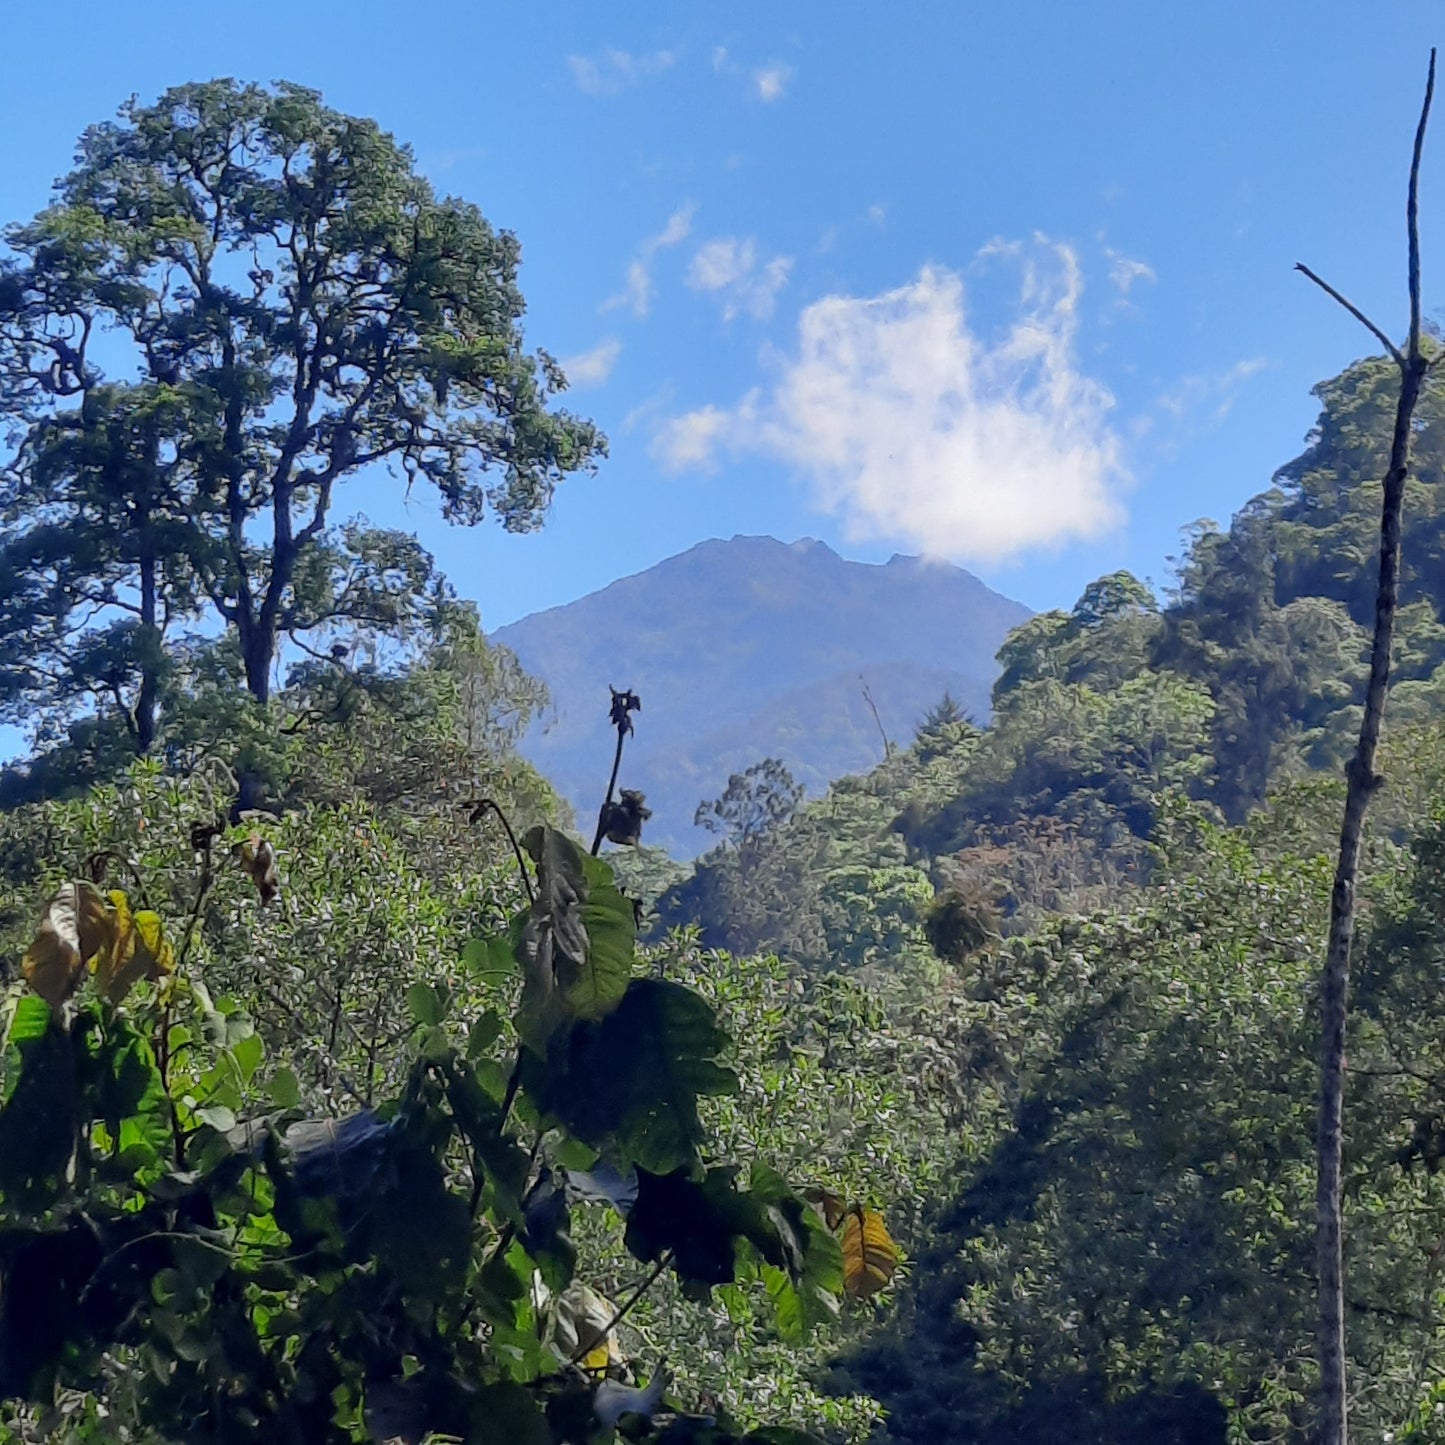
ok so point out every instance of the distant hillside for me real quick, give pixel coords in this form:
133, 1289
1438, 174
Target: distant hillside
751, 648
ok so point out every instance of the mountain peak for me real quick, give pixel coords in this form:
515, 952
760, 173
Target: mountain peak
750, 647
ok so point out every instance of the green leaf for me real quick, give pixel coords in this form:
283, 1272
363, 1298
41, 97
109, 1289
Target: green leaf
425, 1004
484, 1032
130, 1095
284, 1089
30, 1021
489, 958
677, 1213
248, 1052
40, 1120
577, 946
507, 1414
573, 1154
612, 941
707, 1222
629, 1085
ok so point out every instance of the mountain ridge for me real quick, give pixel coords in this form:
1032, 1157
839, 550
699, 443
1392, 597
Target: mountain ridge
743, 648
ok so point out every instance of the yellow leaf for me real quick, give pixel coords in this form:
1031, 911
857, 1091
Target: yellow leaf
599, 1358
869, 1253
583, 1317
76, 926
141, 951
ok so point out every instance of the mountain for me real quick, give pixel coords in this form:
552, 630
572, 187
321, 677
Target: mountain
752, 648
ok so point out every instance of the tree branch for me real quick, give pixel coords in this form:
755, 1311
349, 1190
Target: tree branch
1412, 210
622, 1311
1354, 311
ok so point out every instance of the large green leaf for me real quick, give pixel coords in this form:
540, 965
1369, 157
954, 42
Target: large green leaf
705, 1223
41, 1118
808, 1294
611, 927
629, 1085
577, 947
130, 1096
31, 1019
696, 1220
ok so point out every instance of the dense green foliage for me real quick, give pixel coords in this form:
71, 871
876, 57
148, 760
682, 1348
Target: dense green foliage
339, 1100
239, 300
1125, 1251
1249, 676
201, 1246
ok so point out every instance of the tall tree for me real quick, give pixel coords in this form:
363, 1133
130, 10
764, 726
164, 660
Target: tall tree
238, 301
756, 802
1362, 781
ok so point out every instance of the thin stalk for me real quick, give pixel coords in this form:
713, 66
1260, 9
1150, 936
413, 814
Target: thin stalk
582, 1350
480, 809
611, 787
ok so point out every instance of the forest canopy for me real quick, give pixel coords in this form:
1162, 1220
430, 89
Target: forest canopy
347, 1094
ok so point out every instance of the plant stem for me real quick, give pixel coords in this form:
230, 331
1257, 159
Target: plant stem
611, 785
648, 1281
490, 805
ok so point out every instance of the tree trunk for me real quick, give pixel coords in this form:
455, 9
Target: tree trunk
258, 648
1334, 992
146, 699
1361, 783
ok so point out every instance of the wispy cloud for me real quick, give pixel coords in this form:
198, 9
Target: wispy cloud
1208, 397
772, 81
592, 368
690, 442
636, 294
912, 427
729, 267
878, 214
768, 82
614, 71
1124, 271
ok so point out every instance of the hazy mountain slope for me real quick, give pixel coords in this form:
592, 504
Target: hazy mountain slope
748, 648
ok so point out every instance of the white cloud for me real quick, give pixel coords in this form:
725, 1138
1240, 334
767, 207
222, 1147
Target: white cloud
720, 58
720, 263
878, 214
1209, 397
911, 427
690, 442
592, 368
616, 70
1124, 271
636, 294
729, 266
772, 81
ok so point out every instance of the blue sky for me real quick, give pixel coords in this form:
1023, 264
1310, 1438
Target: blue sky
1009, 284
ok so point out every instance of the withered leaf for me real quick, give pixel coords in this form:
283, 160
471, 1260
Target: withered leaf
258, 860
77, 925
622, 820
869, 1253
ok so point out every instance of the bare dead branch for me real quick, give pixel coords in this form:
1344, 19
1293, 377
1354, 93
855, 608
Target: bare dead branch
1412, 210
1355, 312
